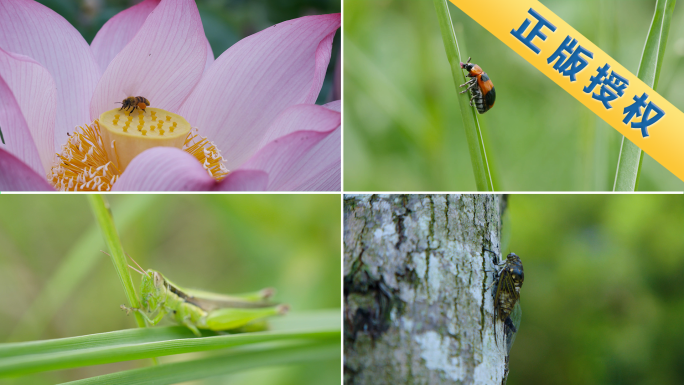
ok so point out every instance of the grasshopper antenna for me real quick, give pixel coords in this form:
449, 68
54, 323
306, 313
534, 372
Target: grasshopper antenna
136, 263
138, 271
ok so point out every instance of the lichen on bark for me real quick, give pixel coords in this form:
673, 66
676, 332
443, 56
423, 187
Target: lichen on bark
417, 309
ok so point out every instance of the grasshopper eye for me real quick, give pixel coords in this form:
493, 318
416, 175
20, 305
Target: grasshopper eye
157, 279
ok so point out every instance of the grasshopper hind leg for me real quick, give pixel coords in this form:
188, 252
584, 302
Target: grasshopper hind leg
233, 318
188, 316
188, 323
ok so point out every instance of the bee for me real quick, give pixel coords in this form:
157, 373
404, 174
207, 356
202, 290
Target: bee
480, 86
134, 102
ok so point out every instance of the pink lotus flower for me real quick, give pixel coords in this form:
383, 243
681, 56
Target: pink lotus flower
252, 121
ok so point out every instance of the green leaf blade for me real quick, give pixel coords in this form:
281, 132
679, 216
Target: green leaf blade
234, 361
30, 357
631, 156
476, 147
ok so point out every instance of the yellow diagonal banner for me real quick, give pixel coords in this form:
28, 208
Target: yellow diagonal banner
587, 73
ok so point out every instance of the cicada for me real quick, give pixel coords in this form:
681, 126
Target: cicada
507, 297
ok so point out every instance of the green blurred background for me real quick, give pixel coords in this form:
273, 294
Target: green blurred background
220, 243
225, 21
603, 298
403, 128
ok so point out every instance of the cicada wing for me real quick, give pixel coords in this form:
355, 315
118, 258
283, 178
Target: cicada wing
509, 285
506, 285
516, 316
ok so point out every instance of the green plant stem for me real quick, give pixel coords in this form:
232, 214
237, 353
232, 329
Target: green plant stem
478, 154
631, 156
104, 218
77, 264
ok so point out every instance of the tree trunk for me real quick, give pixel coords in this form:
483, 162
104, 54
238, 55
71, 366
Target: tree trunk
417, 305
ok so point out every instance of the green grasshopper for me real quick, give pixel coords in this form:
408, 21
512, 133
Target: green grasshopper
198, 309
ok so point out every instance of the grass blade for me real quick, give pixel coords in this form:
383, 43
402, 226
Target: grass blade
478, 155
234, 361
124, 345
104, 218
92, 341
631, 156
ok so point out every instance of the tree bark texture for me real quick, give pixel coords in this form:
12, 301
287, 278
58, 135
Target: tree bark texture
418, 307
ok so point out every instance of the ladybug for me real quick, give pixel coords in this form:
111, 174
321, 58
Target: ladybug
480, 87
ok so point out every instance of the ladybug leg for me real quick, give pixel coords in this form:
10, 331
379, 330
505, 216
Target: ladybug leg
472, 87
469, 82
472, 98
